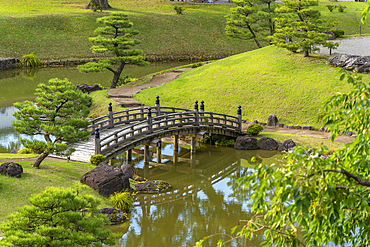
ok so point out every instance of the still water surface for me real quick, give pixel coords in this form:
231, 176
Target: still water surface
20, 84
203, 199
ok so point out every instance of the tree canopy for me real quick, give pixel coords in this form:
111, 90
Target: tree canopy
116, 37
314, 199
301, 27
59, 115
57, 217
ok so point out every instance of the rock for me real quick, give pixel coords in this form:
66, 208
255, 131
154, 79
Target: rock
86, 88
13, 151
106, 179
128, 171
11, 169
281, 125
306, 127
298, 127
246, 143
287, 145
115, 216
349, 133
322, 129
152, 186
291, 127
350, 62
267, 143
331, 35
255, 122
262, 124
272, 120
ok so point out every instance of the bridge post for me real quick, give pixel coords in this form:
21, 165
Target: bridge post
157, 105
175, 149
146, 154
193, 144
129, 156
196, 113
150, 127
201, 110
110, 115
97, 142
239, 115
159, 153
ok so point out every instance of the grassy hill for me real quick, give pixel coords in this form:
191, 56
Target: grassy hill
59, 29
264, 81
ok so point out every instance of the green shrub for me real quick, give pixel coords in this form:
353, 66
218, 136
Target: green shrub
341, 8
123, 80
225, 142
97, 159
254, 129
338, 33
122, 201
195, 65
32, 60
24, 151
179, 10
331, 7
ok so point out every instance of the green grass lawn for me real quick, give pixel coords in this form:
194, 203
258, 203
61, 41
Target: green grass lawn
59, 29
264, 81
16, 191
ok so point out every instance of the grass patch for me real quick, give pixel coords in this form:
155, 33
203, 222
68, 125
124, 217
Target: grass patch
59, 29
264, 81
312, 142
17, 156
16, 191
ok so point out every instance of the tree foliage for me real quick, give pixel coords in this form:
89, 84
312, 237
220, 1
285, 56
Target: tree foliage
301, 28
57, 217
116, 37
248, 19
312, 200
58, 116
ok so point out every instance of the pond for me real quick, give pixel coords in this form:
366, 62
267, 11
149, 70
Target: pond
203, 199
20, 84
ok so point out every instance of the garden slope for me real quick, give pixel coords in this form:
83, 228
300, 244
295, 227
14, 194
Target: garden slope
264, 81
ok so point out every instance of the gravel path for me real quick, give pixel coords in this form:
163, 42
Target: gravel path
355, 46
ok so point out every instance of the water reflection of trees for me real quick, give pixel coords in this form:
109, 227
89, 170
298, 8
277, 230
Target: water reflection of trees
184, 221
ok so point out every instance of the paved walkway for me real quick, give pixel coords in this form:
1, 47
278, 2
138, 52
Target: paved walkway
355, 46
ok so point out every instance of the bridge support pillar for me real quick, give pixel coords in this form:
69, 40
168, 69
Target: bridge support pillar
238, 163
129, 156
175, 149
146, 154
159, 153
193, 144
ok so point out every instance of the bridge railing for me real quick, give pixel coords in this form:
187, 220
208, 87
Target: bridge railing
164, 122
113, 119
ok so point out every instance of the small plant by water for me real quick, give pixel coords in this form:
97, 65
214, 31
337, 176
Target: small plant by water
225, 142
254, 129
179, 10
31, 60
122, 201
97, 159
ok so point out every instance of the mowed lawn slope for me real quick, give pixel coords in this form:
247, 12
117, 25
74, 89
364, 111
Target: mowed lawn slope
263, 81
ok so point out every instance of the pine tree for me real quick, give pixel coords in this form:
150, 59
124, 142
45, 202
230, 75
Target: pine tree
118, 27
58, 116
57, 217
301, 27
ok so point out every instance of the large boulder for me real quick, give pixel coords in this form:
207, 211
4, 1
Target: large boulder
128, 172
106, 179
350, 62
267, 143
11, 169
246, 143
115, 216
272, 120
152, 186
88, 89
287, 145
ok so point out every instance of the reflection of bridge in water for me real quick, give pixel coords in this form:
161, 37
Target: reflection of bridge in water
187, 178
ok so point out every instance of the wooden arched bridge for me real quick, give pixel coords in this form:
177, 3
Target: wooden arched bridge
121, 131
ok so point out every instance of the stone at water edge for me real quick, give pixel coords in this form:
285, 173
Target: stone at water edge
266, 143
152, 186
115, 216
287, 145
246, 143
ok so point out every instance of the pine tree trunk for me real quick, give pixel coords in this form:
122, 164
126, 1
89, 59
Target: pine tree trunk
116, 76
39, 159
102, 3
